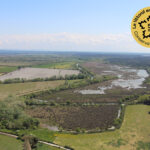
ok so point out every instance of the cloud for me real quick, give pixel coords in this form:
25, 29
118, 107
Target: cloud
71, 41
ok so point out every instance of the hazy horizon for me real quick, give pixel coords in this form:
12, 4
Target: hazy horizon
70, 51
66, 25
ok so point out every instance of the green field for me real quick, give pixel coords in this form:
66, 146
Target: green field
25, 88
6, 69
9, 143
60, 65
134, 134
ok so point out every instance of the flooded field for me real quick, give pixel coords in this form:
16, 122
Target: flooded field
33, 73
133, 81
128, 78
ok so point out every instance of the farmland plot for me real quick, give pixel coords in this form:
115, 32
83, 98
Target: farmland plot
26, 88
33, 73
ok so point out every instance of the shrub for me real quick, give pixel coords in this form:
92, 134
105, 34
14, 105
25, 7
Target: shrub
117, 122
78, 130
68, 103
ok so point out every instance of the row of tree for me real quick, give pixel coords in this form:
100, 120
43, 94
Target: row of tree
67, 77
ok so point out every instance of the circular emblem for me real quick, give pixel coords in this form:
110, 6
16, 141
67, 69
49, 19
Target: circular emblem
140, 27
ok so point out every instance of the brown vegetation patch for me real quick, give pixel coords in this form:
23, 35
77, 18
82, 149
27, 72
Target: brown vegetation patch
72, 117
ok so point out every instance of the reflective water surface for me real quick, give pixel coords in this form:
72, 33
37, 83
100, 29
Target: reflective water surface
127, 78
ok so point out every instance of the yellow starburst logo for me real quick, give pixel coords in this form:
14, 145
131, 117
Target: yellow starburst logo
140, 27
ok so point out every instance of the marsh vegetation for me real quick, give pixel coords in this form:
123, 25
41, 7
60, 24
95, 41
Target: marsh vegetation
90, 96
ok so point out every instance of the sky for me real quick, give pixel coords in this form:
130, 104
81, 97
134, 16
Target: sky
69, 25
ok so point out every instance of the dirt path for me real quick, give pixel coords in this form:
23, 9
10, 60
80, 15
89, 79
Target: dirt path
54, 145
7, 134
47, 143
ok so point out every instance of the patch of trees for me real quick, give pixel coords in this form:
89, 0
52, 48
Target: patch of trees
136, 99
12, 115
144, 99
128, 98
67, 77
